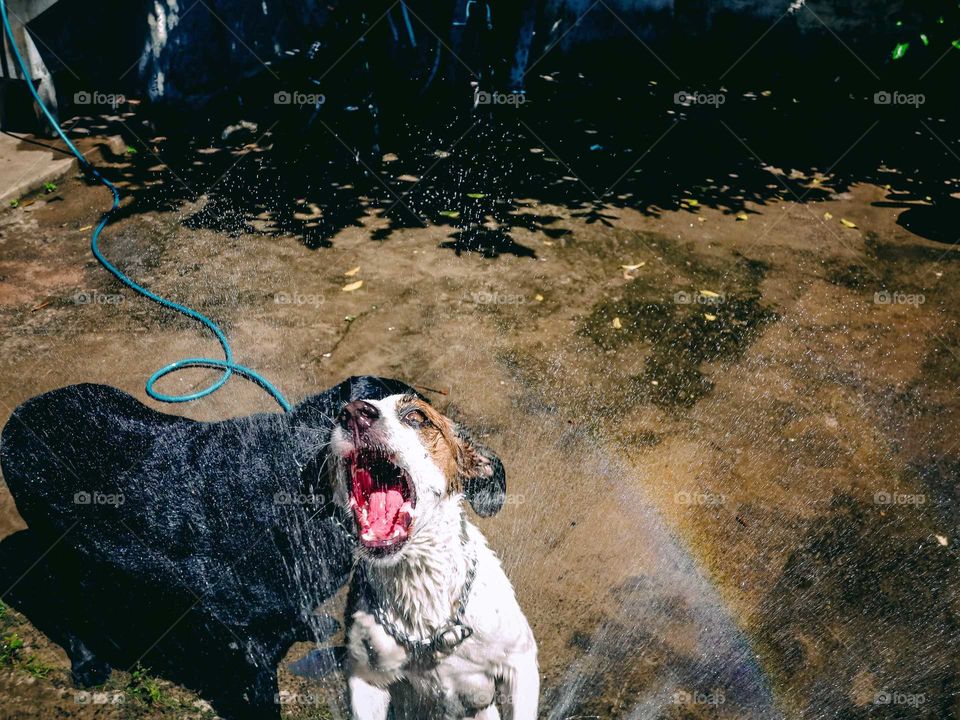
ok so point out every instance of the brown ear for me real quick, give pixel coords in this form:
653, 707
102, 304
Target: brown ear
481, 475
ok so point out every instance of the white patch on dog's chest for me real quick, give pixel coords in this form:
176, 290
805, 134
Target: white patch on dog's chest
466, 683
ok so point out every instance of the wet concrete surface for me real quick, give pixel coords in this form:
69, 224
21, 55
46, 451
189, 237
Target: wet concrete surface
731, 443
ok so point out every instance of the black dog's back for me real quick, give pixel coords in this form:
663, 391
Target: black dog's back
68, 441
172, 501
199, 549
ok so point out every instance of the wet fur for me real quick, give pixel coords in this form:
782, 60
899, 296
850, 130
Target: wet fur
200, 574
419, 584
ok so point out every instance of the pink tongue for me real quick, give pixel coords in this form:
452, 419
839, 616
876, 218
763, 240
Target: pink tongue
382, 511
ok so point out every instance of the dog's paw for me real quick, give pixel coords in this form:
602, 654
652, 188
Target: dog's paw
90, 672
370, 646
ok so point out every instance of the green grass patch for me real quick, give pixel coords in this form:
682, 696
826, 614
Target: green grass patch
145, 688
10, 647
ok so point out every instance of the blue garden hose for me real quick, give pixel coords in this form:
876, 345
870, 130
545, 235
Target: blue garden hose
228, 365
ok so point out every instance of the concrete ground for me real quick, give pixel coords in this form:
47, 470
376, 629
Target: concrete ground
25, 168
731, 444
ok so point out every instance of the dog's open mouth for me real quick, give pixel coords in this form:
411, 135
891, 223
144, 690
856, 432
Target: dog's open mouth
382, 498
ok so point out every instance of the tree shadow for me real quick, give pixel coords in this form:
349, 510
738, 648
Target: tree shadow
401, 153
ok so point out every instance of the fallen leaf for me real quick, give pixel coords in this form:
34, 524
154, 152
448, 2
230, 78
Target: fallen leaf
941, 539
538, 298
742, 216
352, 286
85, 228
352, 271
828, 216
476, 196
847, 223
709, 293
390, 157
41, 306
617, 325
633, 267
710, 317
408, 178
450, 213
692, 202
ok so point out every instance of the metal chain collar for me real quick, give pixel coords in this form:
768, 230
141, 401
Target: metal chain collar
445, 640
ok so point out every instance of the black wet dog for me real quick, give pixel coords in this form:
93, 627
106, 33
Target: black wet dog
199, 550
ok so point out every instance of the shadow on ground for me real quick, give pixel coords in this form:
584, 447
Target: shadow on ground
572, 143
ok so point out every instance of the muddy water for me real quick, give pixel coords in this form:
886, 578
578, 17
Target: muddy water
716, 459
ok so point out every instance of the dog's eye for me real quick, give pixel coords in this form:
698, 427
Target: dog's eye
416, 418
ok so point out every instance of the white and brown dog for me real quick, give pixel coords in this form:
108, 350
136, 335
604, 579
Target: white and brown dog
434, 629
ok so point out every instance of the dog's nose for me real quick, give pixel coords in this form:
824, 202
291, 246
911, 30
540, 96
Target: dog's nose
360, 414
